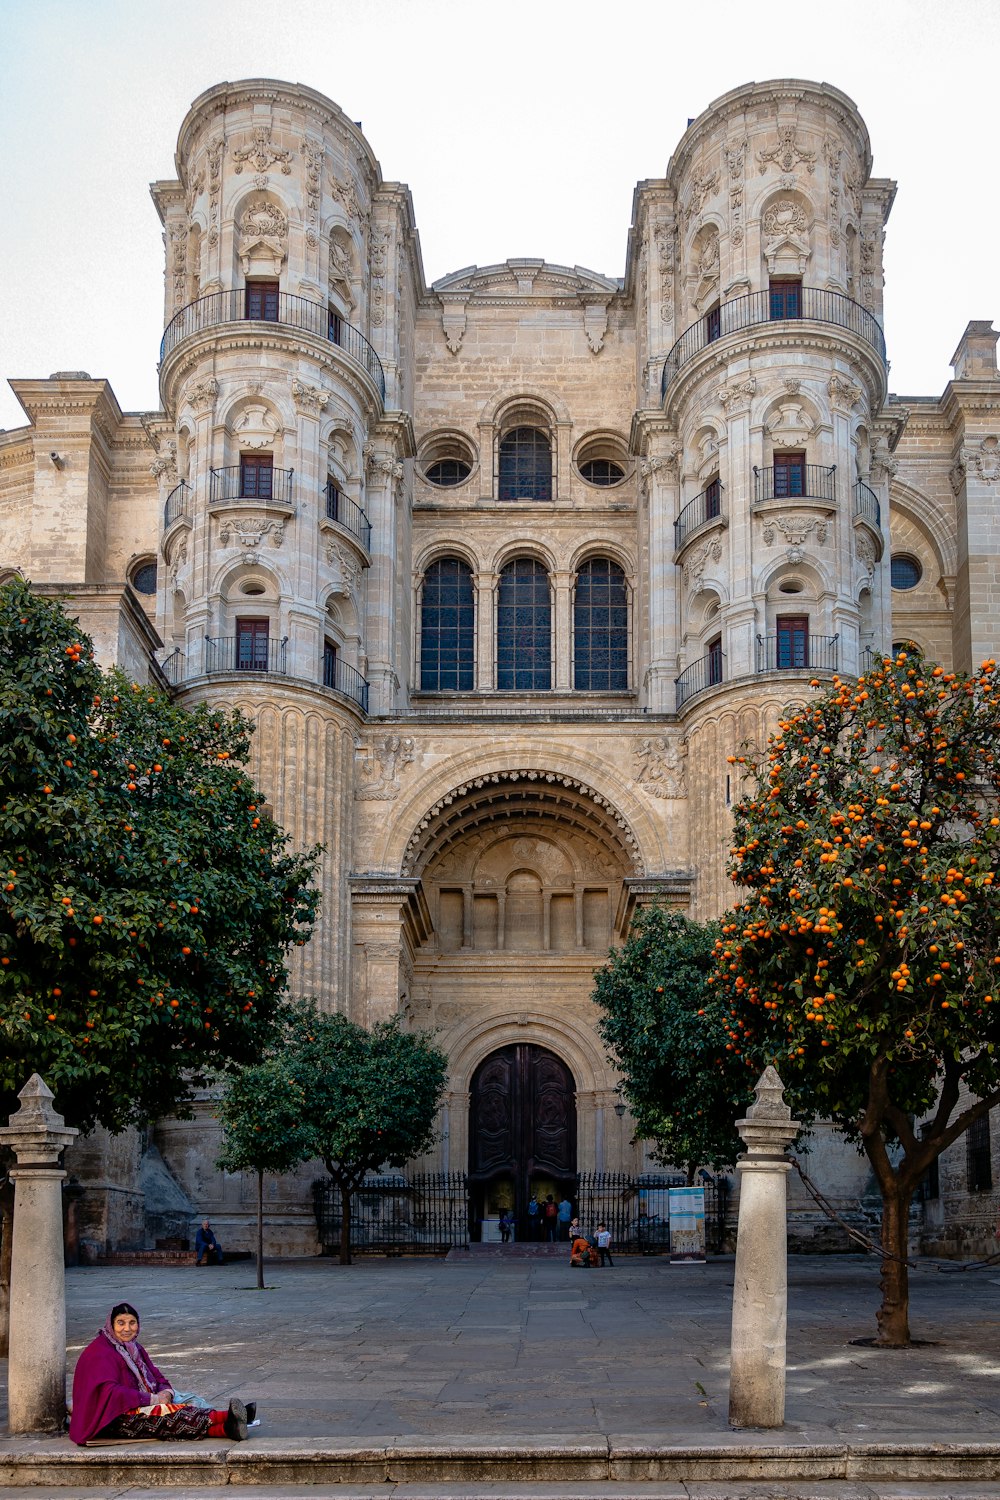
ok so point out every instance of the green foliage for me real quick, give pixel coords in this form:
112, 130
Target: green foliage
147, 902
263, 1114
671, 1037
865, 955
371, 1096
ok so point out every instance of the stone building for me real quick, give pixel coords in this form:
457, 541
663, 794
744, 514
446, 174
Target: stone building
504, 567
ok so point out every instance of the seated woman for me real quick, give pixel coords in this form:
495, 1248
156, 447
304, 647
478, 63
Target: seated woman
580, 1252
119, 1393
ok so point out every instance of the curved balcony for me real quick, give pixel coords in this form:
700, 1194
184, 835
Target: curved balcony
343, 678
177, 504
237, 483
707, 672
342, 510
760, 308
291, 312
698, 512
866, 505
798, 653
244, 653
799, 482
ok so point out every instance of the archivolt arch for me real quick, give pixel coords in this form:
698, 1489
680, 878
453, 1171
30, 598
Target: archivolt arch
575, 1043
934, 521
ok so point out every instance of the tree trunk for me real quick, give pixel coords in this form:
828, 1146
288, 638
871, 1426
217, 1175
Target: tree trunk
6, 1242
893, 1315
345, 1221
260, 1230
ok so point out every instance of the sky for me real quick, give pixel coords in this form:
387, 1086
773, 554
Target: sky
520, 130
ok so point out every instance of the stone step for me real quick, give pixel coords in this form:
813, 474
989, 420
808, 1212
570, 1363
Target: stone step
526, 1250
750, 1490
459, 1468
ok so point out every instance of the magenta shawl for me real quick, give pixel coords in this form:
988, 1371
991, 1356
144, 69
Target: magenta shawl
110, 1379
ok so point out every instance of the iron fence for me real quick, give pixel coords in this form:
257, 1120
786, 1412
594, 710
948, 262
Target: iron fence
342, 509
300, 313
421, 1213
814, 305
637, 1209
707, 671
237, 482
798, 652
177, 504
795, 482
703, 508
866, 504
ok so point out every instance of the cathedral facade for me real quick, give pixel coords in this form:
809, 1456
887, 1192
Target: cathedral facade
504, 568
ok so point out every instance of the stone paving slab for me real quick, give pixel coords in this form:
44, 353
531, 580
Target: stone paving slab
407, 1372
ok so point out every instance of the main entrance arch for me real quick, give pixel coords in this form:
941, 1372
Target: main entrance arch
522, 1132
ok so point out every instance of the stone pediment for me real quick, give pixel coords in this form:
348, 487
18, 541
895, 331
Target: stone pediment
516, 280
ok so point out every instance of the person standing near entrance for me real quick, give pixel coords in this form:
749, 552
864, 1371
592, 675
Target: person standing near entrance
506, 1220
565, 1215
604, 1245
533, 1222
550, 1218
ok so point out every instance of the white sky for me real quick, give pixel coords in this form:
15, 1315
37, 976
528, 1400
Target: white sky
520, 129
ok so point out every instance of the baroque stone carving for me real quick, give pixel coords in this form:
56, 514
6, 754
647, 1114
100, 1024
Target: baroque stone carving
202, 394
250, 531
178, 562
883, 465
986, 459
381, 463
701, 188
787, 154
660, 765
379, 764
694, 568
262, 153
377, 254
869, 245
738, 395
665, 235
708, 261
309, 398
864, 549
262, 226
790, 426
794, 529
164, 466
213, 157
844, 392
783, 218
312, 152
256, 427
346, 194
345, 571
178, 261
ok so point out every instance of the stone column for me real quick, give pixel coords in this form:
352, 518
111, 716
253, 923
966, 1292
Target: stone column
37, 1371
760, 1291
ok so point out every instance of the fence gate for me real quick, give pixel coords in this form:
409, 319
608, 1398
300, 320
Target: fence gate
422, 1213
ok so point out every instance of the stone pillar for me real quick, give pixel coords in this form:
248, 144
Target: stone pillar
760, 1291
37, 1371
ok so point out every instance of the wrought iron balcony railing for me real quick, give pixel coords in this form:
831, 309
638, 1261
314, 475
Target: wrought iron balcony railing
704, 507
266, 486
866, 504
815, 306
707, 672
801, 482
291, 312
245, 653
343, 510
344, 678
797, 653
177, 504
173, 667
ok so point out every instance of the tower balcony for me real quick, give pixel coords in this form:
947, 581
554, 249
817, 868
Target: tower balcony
219, 309
813, 305
346, 514
706, 507
255, 655
795, 481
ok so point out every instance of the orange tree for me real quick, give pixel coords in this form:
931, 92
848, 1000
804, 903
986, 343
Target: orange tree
864, 956
147, 901
672, 1038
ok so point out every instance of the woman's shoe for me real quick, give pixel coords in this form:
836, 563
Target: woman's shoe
235, 1425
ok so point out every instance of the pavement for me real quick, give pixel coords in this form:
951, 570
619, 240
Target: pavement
512, 1379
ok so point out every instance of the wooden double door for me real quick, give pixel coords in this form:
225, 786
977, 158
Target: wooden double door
522, 1133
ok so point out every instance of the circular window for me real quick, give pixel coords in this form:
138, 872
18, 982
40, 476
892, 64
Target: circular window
144, 578
905, 572
448, 471
790, 586
253, 589
602, 471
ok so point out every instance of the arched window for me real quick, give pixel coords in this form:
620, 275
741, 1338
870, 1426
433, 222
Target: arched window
525, 465
600, 628
447, 628
524, 627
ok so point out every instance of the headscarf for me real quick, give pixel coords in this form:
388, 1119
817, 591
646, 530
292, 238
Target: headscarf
132, 1351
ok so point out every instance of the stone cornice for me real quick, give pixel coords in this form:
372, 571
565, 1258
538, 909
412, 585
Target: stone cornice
962, 397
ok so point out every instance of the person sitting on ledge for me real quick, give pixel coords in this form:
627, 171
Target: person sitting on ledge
206, 1246
119, 1393
580, 1253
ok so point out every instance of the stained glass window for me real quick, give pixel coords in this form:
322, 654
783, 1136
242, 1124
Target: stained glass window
447, 628
600, 628
525, 465
524, 627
